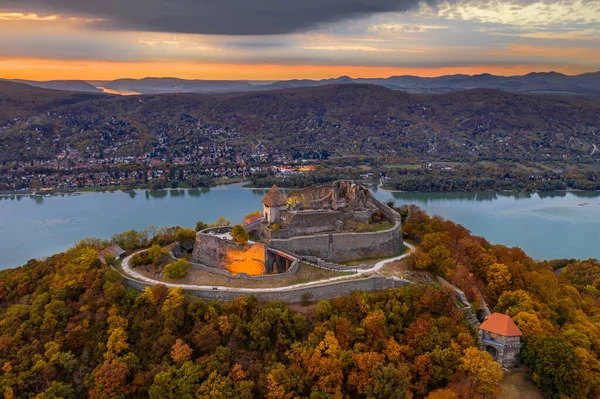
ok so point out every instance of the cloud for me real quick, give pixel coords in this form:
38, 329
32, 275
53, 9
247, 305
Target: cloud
219, 17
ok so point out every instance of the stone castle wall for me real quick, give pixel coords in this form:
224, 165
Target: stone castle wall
211, 250
339, 247
383, 208
294, 295
243, 276
310, 222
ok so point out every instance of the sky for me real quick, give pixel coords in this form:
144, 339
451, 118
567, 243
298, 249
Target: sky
287, 39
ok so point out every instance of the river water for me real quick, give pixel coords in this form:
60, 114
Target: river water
546, 226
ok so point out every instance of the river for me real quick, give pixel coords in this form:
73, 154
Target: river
546, 226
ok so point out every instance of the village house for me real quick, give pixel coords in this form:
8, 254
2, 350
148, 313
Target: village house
114, 250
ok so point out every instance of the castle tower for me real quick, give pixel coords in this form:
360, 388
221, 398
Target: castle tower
501, 338
273, 202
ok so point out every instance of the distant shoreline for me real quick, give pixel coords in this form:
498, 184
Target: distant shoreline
247, 187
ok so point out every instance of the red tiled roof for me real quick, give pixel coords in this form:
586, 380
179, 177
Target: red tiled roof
274, 197
501, 324
253, 219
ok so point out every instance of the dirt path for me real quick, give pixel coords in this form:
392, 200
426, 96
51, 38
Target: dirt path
516, 385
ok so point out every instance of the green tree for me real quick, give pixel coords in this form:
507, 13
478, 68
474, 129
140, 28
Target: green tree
556, 368
176, 269
239, 234
200, 225
177, 382
185, 235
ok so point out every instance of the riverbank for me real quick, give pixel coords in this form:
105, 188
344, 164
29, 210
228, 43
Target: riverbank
113, 189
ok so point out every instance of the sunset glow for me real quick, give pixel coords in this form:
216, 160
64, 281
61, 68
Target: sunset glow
52, 40
38, 69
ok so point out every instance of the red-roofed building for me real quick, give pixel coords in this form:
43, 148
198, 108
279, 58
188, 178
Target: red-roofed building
273, 202
253, 219
500, 336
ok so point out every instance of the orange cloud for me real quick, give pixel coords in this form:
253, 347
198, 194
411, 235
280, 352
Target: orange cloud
42, 69
578, 53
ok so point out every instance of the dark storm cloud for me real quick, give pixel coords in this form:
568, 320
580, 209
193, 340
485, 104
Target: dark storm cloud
219, 17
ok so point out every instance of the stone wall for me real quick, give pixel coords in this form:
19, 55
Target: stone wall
219, 252
506, 348
299, 223
339, 247
319, 292
211, 250
383, 208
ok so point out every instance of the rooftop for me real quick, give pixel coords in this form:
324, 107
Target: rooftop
113, 250
501, 324
274, 197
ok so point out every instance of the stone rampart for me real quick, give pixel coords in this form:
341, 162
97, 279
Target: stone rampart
211, 250
310, 222
383, 208
293, 295
339, 247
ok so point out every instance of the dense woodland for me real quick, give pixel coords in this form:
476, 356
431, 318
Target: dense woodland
69, 328
490, 178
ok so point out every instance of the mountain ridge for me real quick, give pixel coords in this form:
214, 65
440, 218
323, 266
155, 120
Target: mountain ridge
533, 82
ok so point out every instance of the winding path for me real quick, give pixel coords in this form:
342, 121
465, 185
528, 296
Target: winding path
132, 273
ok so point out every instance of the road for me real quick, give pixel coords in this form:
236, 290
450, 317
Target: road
134, 274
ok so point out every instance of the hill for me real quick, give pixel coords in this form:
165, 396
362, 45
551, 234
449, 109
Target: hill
19, 100
352, 119
174, 85
71, 328
542, 82
67, 85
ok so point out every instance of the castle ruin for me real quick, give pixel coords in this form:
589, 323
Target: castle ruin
334, 223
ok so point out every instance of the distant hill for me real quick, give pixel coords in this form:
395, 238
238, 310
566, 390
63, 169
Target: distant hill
346, 119
542, 82
175, 85
20, 99
67, 85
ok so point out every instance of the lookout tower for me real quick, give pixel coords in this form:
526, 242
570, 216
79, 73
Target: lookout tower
273, 202
501, 338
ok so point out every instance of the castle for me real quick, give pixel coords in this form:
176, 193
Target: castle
334, 223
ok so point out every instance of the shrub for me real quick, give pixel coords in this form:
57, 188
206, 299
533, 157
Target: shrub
153, 252
252, 214
185, 235
177, 269
140, 259
239, 235
307, 298
275, 226
110, 260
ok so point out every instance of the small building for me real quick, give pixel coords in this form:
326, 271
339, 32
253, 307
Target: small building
273, 203
501, 338
114, 251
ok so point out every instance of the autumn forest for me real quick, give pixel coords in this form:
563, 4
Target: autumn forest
69, 328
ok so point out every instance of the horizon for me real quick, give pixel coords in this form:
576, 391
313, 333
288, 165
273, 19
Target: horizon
333, 77
273, 40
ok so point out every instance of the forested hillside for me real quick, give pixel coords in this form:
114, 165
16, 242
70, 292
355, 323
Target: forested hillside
69, 328
342, 120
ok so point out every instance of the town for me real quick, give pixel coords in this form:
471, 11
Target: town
190, 163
